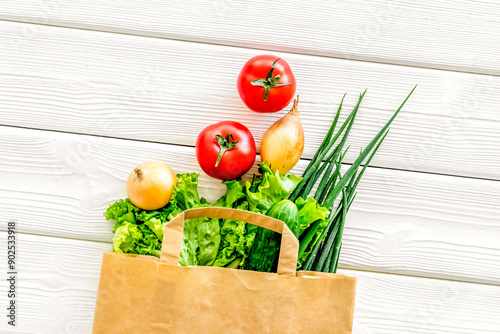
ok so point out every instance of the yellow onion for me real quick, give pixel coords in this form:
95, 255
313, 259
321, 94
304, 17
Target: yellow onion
283, 143
150, 185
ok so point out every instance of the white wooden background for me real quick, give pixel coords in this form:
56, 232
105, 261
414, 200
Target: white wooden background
89, 89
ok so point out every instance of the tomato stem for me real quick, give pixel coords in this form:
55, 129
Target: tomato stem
225, 144
270, 81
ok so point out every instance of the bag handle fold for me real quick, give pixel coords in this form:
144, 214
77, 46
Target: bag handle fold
172, 236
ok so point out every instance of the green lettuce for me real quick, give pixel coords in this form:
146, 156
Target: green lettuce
234, 193
200, 242
201, 238
156, 226
213, 241
233, 247
232, 243
185, 195
139, 231
258, 196
132, 238
272, 188
149, 243
130, 234
309, 212
313, 218
121, 211
126, 238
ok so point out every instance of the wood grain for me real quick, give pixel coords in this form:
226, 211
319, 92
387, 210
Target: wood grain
158, 93
401, 222
168, 91
59, 279
453, 35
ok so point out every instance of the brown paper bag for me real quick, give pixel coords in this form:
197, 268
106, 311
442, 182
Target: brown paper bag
144, 294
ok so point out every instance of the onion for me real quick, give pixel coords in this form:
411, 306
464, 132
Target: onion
283, 143
150, 185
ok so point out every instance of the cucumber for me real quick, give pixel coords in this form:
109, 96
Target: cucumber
265, 248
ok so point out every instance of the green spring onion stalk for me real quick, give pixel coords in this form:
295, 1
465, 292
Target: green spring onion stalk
329, 179
324, 254
314, 165
328, 136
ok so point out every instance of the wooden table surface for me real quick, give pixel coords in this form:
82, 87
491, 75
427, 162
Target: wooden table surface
90, 89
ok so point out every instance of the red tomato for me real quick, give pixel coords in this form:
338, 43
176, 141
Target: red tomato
266, 84
225, 150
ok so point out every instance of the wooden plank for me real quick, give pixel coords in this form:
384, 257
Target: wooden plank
401, 222
391, 304
57, 283
59, 279
167, 91
453, 35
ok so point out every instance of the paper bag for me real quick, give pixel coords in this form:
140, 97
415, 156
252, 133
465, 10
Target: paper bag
144, 294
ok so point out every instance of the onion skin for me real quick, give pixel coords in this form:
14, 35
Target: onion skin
283, 143
150, 185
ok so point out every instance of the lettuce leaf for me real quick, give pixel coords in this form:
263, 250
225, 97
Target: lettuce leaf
234, 192
185, 195
200, 242
156, 226
139, 231
121, 211
272, 188
258, 196
234, 241
136, 239
310, 213
233, 233
201, 238
149, 243
126, 238
211, 241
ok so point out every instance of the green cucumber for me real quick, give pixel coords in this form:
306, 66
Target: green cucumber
265, 248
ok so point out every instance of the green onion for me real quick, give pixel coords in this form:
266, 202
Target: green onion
324, 255
352, 170
314, 165
338, 238
328, 179
328, 135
